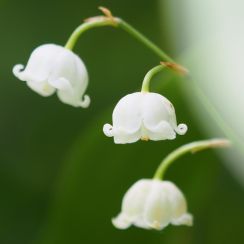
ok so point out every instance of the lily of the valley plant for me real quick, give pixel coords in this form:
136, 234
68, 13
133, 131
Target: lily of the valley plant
155, 203
149, 203
144, 115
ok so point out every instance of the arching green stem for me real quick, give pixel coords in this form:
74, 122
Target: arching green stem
91, 23
100, 21
191, 147
148, 77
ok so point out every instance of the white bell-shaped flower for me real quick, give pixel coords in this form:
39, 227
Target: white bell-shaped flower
153, 204
146, 116
54, 68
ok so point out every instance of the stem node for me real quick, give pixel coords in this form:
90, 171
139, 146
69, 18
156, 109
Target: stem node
176, 67
108, 14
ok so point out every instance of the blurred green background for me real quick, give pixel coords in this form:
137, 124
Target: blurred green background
61, 179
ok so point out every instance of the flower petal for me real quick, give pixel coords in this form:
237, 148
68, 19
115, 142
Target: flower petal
123, 136
181, 129
67, 95
18, 70
70, 67
157, 113
158, 210
61, 84
41, 62
108, 130
127, 113
179, 205
134, 200
157, 110
52, 67
162, 131
42, 88
185, 219
121, 221
153, 204
127, 120
133, 206
84, 102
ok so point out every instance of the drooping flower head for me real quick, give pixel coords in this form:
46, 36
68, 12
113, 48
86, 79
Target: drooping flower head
54, 68
146, 116
153, 204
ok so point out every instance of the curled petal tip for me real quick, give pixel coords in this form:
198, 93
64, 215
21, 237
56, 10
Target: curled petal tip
185, 219
108, 130
121, 223
17, 70
85, 102
190, 220
182, 129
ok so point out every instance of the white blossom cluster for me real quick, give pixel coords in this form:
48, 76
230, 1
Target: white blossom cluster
148, 204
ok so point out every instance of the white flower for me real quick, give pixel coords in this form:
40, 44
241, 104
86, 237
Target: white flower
143, 115
153, 204
54, 68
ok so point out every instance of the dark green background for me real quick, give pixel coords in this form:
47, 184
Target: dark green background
61, 179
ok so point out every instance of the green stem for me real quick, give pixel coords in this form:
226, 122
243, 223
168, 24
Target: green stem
144, 40
191, 147
94, 23
148, 77
101, 21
